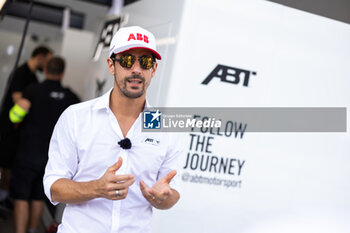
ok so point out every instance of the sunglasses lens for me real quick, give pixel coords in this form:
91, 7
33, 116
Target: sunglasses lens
127, 61
146, 62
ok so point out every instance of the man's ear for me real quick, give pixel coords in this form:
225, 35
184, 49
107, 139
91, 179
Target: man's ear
110, 65
154, 69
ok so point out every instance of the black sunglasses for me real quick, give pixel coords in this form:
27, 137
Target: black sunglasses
127, 61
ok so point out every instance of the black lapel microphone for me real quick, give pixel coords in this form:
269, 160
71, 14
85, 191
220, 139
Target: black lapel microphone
125, 143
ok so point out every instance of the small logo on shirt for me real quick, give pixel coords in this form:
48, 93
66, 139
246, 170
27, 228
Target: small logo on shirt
57, 95
152, 119
152, 141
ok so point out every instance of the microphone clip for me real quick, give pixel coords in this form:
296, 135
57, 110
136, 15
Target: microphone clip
125, 143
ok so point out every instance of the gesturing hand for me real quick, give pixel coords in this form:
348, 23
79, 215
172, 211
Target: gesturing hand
160, 191
109, 183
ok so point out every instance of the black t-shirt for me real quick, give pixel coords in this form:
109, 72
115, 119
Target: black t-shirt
48, 100
22, 78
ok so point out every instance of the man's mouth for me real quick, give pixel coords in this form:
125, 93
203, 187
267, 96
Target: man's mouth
134, 81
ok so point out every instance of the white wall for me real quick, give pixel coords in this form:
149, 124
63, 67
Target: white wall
77, 49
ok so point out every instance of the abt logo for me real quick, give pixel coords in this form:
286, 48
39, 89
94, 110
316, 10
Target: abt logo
230, 75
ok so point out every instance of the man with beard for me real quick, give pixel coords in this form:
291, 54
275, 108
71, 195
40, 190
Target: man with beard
22, 77
100, 163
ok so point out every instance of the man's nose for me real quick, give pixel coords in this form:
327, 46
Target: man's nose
136, 68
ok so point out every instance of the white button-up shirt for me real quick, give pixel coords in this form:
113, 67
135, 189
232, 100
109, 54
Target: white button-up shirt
84, 144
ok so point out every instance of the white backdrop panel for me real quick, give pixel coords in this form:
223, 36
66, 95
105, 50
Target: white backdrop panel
289, 180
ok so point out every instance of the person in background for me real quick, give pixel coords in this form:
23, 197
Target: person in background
22, 77
40, 105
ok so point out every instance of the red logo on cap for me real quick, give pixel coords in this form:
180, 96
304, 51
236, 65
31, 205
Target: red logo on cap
139, 36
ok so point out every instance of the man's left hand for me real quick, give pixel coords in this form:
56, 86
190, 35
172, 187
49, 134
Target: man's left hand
160, 192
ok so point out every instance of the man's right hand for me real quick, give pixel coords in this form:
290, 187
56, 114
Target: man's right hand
108, 184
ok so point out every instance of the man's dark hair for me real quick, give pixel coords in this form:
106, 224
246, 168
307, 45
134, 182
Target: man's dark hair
41, 50
55, 66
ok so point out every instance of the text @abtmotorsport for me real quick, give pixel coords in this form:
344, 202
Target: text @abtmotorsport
187, 177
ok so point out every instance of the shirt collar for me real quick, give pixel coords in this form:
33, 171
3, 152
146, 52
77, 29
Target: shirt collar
103, 102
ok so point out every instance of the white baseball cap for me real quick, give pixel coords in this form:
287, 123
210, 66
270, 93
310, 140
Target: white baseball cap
134, 37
